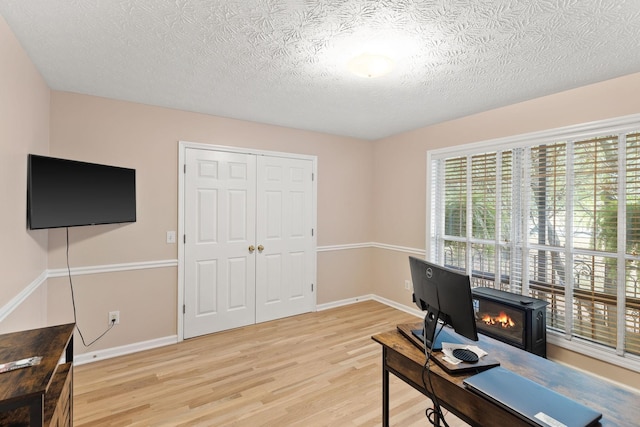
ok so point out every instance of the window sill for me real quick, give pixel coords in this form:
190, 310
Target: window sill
595, 351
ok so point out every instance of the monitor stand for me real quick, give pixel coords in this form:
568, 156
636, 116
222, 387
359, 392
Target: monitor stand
443, 336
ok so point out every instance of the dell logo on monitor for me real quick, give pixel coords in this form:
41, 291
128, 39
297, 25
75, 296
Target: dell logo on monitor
429, 273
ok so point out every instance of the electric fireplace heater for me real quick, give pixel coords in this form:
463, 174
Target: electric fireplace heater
515, 319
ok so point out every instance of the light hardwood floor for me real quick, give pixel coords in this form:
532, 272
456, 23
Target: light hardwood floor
316, 369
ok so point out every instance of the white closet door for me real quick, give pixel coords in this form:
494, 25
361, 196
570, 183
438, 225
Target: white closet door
220, 196
285, 268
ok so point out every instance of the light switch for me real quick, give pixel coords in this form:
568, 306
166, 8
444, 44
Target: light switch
171, 236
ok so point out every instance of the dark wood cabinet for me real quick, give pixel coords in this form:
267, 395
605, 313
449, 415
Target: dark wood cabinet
39, 395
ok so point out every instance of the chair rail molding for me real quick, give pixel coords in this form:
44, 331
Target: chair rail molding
15, 302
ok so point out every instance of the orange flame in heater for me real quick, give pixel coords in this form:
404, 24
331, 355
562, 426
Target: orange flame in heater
501, 320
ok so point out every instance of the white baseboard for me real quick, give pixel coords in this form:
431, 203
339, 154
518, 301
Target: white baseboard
340, 303
94, 356
398, 306
370, 297
81, 359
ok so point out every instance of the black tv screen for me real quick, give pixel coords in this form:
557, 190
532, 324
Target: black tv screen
68, 193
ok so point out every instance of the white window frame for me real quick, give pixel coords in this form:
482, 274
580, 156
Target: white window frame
570, 133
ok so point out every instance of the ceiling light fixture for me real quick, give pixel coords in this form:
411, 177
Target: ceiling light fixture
370, 65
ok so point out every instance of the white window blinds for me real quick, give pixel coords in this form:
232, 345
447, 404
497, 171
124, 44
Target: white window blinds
557, 219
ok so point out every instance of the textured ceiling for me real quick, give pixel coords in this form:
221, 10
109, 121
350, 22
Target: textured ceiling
284, 61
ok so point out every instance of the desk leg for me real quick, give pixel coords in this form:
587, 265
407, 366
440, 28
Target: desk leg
437, 417
36, 411
68, 353
385, 389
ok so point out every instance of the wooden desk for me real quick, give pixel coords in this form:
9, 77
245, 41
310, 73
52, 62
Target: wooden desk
42, 394
619, 406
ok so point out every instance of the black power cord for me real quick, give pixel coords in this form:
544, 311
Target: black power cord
73, 302
435, 415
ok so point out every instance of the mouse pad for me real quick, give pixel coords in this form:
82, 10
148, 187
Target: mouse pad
484, 363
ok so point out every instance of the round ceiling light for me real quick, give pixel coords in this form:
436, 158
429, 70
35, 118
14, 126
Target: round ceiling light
370, 65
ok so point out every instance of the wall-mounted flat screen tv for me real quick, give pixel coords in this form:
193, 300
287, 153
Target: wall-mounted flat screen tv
69, 193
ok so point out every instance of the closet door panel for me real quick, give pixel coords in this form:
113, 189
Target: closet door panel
220, 197
249, 254
285, 267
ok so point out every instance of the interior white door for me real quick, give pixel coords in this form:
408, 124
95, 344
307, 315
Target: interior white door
285, 262
219, 206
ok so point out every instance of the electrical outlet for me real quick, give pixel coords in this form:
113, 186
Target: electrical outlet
114, 317
407, 285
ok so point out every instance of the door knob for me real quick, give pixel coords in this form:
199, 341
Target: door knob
251, 249
260, 248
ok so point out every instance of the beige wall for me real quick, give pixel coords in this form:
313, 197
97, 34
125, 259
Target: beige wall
344, 274
390, 270
146, 138
146, 300
400, 179
24, 128
366, 192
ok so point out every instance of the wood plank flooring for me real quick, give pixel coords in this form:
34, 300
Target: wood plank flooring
316, 369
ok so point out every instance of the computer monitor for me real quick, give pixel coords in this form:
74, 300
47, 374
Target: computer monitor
443, 294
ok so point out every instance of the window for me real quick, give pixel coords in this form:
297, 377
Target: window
553, 215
